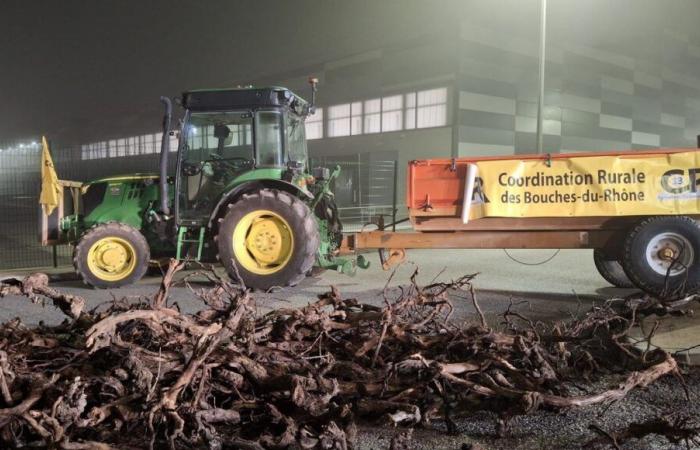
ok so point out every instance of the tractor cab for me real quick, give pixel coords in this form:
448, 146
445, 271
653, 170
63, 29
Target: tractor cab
235, 135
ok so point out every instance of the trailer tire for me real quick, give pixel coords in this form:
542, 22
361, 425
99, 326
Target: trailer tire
111, 255
268, 238
661, 256
611, 269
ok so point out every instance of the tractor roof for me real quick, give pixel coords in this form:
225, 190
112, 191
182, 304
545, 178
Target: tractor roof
248, 97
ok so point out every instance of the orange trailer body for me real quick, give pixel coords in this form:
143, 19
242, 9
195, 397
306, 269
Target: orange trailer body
435, 188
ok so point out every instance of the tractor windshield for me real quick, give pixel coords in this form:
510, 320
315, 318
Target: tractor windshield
218, 148
269, 138
296, 137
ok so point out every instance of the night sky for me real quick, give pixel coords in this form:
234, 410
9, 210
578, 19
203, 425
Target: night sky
82, 70
91, 70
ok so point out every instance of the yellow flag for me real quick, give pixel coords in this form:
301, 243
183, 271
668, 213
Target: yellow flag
50, 189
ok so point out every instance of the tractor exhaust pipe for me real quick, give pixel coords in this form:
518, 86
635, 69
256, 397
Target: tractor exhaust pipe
164, 150
313, 81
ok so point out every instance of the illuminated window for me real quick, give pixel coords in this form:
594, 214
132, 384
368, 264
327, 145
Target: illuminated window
132, 146
373, 116
356, 118
314, 125
410, 100
118, 149
240, 135
339, 120
431, 108
95, 150
392, 113
150, 144
102, 150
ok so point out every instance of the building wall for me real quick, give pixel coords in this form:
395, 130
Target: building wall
596, 97
618, 76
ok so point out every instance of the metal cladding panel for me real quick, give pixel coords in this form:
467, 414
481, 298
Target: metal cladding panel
236, 98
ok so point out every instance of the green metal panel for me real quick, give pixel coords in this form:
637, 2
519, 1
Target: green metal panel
125, 200
264, 173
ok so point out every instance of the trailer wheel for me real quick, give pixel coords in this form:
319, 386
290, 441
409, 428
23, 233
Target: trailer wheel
661, 256
111, 255
611, 269
268, 238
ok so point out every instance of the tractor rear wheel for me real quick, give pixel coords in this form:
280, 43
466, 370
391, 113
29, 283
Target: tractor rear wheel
111, 255
268, 238
611, 269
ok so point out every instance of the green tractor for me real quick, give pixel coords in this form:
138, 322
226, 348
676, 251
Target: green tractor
242, 194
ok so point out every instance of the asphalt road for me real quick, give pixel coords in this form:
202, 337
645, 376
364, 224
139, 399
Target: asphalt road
552, 288
549, 291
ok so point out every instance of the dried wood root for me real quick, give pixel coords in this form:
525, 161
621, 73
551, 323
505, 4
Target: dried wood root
677, 430
146, 375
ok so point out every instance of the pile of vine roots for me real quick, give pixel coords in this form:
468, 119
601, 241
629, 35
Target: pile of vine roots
146, 375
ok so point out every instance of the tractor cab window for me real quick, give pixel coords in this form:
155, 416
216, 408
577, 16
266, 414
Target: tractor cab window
218, 147
296, 138
269, 138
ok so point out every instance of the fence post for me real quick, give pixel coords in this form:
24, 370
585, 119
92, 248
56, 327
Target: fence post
54, 253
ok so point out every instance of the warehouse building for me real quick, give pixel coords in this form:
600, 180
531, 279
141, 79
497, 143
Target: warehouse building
470, 89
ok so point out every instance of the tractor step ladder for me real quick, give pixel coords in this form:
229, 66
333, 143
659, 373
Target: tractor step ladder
182, 238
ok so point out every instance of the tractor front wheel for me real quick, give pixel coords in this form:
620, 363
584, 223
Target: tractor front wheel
111, 255
268, 238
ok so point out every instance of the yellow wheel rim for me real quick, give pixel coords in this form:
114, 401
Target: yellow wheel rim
111, 259
263, 242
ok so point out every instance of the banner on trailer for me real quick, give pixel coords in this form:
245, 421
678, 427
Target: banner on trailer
584, 186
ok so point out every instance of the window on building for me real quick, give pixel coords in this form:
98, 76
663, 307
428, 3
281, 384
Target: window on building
121, 147
392, 113
102, 150
314, 125
431, 108
132, 146
95, 150
241, 135
373, 116
410, 100
152, 145
173, 143
339, 120
356, 118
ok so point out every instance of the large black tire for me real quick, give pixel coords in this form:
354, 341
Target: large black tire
611, 269
661, 256
302, 227
136, 255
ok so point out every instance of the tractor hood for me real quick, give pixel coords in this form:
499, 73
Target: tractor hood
125, 178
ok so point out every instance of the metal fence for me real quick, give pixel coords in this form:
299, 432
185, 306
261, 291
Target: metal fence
366, 190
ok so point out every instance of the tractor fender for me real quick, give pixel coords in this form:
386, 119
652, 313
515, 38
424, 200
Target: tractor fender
250, 186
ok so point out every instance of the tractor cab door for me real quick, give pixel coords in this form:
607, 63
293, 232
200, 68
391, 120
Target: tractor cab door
217, 148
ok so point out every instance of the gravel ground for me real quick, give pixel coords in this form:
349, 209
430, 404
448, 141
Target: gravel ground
564, 430
548, 292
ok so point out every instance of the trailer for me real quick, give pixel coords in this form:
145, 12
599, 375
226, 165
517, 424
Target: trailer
637, 210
